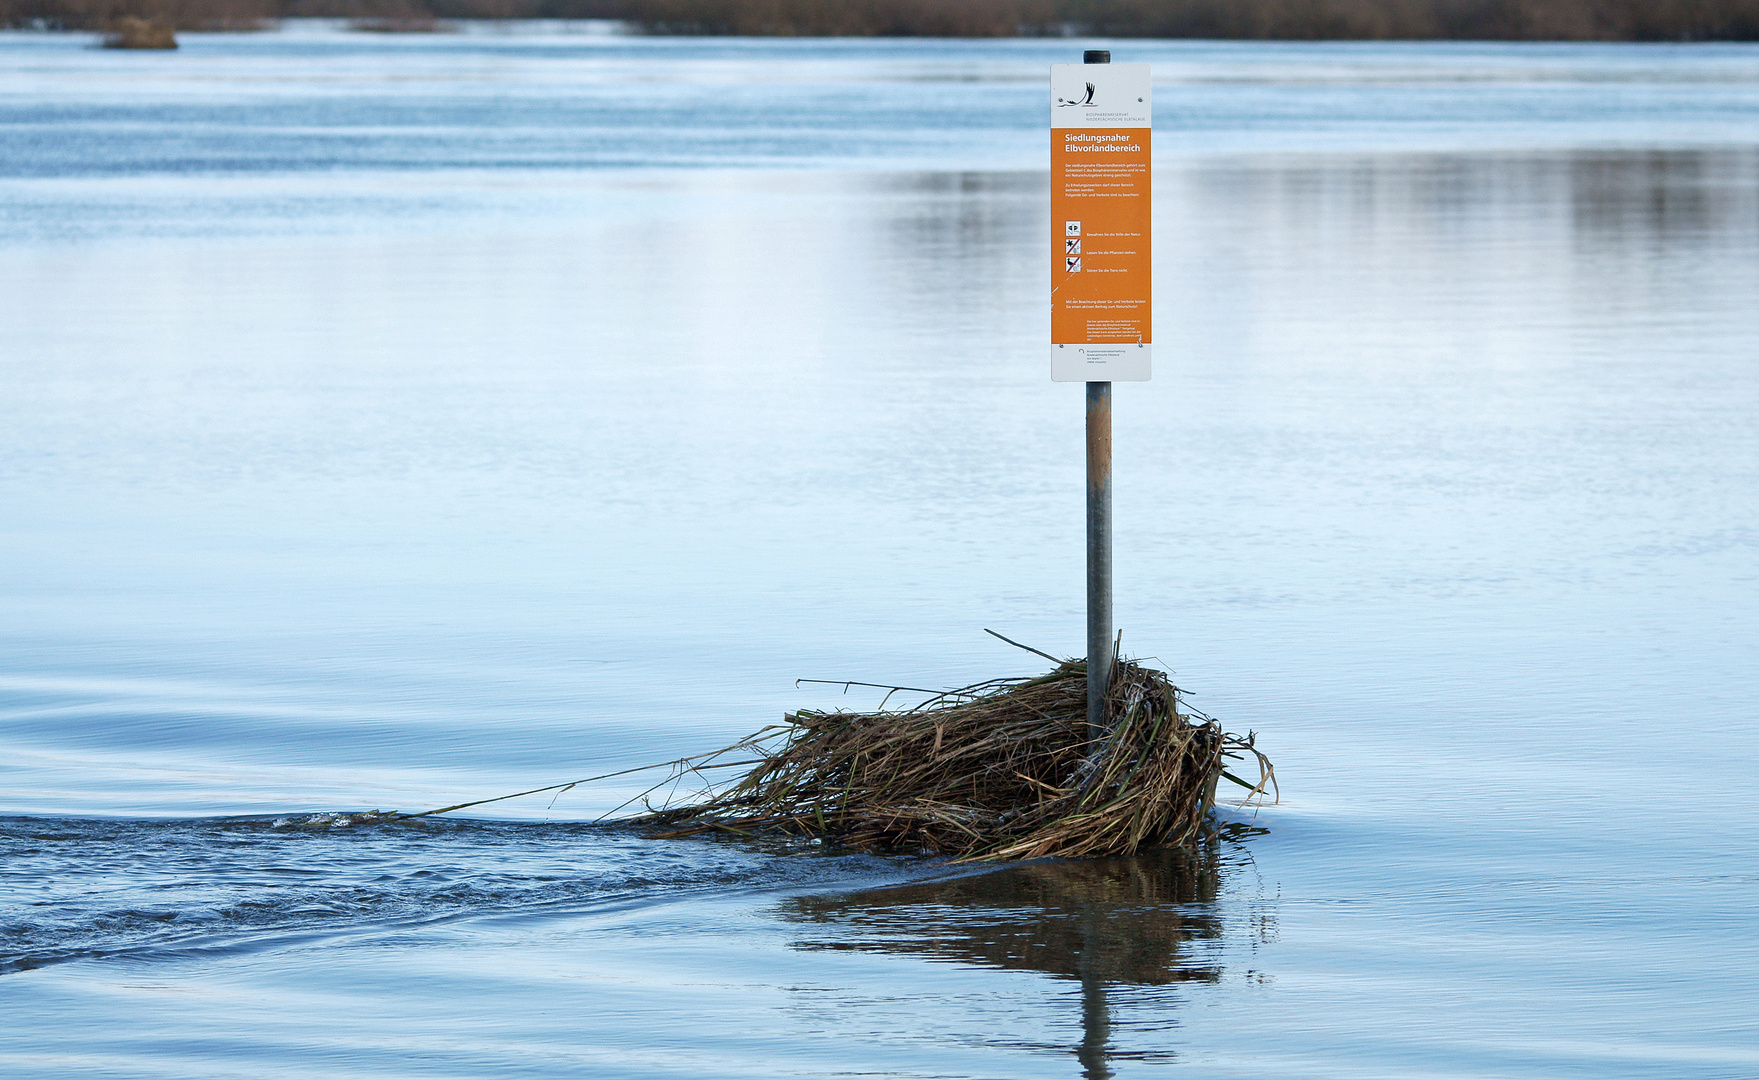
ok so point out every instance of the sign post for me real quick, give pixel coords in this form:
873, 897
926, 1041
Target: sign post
1101, 308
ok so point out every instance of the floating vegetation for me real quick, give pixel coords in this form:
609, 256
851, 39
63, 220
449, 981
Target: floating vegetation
1004, 769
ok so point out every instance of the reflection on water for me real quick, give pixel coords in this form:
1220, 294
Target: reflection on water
1667, 194
1103, 922
1628, 195
954, 239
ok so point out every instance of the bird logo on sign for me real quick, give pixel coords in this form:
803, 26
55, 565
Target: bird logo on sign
1087, 101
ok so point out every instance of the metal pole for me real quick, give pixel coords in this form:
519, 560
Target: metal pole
1099, 532
1099, 554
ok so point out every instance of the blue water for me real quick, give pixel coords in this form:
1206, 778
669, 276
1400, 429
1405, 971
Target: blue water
388, 421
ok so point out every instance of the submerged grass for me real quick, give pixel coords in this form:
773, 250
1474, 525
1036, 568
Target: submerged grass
1000, 770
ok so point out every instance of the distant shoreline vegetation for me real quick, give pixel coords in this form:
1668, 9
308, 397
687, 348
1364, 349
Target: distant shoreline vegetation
1298, 20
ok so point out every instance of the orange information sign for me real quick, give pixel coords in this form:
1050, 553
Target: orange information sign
1102, 326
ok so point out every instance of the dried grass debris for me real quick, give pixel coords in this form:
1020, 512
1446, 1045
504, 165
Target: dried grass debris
1000, 770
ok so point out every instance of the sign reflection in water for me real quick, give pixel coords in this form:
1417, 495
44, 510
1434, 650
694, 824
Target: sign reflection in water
1102, 922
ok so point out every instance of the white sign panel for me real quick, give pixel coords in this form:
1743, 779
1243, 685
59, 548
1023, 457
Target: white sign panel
1101, 223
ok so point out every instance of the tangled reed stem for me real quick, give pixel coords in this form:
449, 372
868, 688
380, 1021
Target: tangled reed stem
999, 770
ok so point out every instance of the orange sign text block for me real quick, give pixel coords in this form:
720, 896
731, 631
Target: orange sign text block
1102, 325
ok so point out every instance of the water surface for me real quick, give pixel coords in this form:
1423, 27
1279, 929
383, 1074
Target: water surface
395, 421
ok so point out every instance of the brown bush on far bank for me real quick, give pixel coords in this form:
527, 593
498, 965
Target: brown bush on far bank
132, 33
1484, 20
116, 17
375, 16
1480, 20
1490, 20
393, 11
845, 18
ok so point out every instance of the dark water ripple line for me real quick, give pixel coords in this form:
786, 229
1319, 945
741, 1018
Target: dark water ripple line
75, 890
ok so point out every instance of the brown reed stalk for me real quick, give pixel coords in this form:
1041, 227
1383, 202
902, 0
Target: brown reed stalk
1000, 770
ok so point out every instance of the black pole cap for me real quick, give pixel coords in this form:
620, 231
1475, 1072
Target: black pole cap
1096, 56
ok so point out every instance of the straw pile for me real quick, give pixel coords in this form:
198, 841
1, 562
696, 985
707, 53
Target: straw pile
999, 770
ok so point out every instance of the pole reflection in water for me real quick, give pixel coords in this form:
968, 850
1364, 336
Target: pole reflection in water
1102, 922
1096, 1018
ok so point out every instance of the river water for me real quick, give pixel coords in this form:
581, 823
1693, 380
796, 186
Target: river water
390, 421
